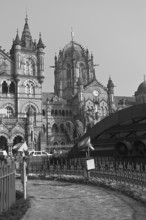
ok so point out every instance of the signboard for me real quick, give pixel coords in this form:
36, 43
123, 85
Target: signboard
3, 112
90, 164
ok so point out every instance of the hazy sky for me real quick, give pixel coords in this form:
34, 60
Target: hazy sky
114, 30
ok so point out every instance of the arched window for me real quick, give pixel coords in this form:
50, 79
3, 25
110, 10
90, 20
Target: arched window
18, 139
27, 67
10, 112
56, 113
66, 113
62, 128
68, 75
63, 113
4, 87
43, 112
29, 89
52, 112
82, 72
55, 129
60, 112
12, 88
44, 128
70, 113
30, 67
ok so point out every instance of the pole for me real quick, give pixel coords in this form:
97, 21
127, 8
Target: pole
24, 178
88, 172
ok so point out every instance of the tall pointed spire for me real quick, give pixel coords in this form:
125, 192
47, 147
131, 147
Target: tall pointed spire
26, 38
26, 19
72, 34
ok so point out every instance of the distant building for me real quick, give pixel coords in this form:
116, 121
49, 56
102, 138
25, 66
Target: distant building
52, 121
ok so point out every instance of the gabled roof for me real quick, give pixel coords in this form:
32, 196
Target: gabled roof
95, 82
5, 55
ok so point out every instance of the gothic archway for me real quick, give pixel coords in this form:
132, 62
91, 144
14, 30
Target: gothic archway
18, 139
3, 143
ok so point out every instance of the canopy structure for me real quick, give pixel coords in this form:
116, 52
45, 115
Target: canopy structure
124, 130
20, 147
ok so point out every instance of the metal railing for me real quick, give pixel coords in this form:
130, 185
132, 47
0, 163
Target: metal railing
7, 184
119, 171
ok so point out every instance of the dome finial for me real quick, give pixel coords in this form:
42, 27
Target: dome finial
72, 34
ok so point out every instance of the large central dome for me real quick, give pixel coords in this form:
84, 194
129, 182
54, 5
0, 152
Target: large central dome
73, 50
142, 88
74, 67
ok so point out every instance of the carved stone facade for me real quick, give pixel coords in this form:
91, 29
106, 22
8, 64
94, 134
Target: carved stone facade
79, 99
21, 78
52, 121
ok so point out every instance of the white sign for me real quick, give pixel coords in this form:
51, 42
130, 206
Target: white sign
90, 164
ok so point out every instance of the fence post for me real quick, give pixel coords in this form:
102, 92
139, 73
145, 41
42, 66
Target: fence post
7, 184
24, 177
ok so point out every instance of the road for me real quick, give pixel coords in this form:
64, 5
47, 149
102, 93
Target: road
54, 200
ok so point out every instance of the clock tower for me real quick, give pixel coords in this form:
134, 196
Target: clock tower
28, 58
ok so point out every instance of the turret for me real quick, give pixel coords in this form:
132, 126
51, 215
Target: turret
17, 54
55, 74
40, 55
110, 91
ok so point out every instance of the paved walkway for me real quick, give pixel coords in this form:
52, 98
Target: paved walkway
53, 200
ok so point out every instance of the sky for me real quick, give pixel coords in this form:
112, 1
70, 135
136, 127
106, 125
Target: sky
113, 30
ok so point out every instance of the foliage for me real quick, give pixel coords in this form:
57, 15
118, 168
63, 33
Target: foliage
17, 210
79, 129
68, 129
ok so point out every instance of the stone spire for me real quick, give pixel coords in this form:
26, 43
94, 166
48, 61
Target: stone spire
26, 38
40, 43
110, 92
110, 86
17, 40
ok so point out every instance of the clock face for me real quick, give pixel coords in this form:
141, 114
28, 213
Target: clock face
95, 93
